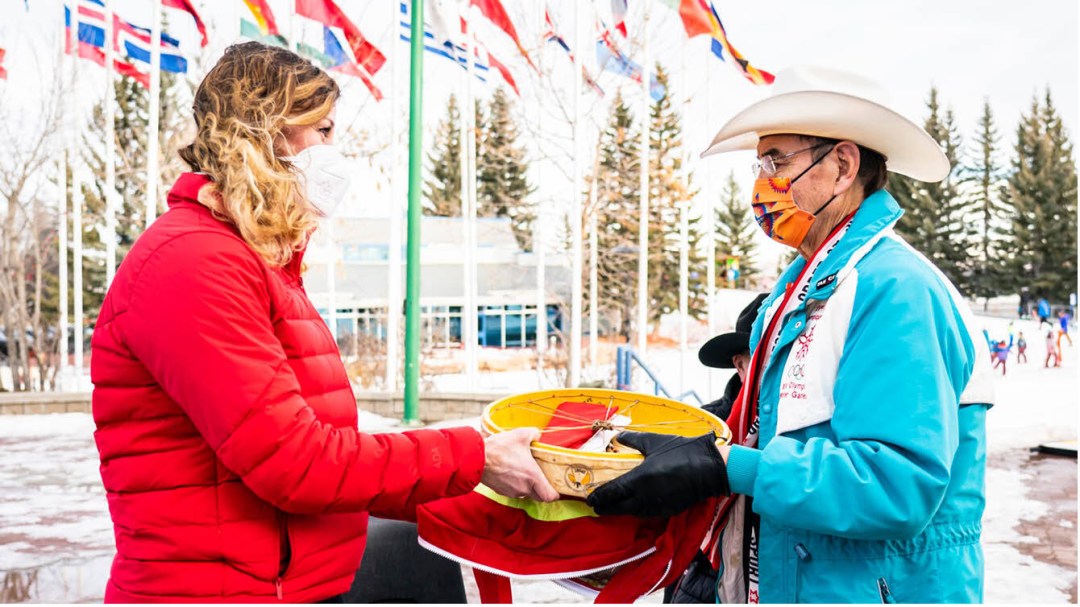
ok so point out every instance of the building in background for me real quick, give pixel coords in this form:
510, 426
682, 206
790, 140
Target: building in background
506, 288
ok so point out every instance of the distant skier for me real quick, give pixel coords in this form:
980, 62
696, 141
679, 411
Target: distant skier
1043, 311
1063, 331
1052, 351
1000, 352
1021, 348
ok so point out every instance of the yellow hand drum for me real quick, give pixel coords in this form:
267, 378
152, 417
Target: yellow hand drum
577, 473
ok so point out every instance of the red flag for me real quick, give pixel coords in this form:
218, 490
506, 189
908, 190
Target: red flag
185, 5
3, 72
95, 54
350, 69
496, 13
495, 63
326, 12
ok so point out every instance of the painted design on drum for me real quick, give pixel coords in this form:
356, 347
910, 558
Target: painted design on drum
579, 478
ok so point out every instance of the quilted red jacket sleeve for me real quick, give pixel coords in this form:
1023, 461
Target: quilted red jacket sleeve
200, 319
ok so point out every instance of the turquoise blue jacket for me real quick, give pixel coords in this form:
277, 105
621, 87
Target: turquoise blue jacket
869, 471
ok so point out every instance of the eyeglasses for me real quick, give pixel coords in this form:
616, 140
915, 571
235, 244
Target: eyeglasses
767, 164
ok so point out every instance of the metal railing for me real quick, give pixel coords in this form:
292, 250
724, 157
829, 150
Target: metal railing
626, 358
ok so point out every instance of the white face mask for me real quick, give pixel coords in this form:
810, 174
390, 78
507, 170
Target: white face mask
324, 174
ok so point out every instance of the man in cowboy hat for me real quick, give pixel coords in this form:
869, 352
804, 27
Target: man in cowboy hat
868, 391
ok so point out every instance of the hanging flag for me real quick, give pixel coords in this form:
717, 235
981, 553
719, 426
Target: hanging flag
720, 43
494, 11
341, 63
254, 32
264, 17
618, 13
367, 57
448, 50
135, 41
618, 63
552, 35
3, 72
91, 40
506, 76
694, 15
185, 5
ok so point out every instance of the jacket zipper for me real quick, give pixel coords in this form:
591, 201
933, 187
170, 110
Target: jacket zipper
284, 555
802, 554
883, 590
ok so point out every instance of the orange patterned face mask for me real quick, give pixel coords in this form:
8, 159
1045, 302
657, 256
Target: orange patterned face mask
776, 212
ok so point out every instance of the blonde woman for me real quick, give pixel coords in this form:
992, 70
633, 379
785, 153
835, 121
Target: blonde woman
226, 424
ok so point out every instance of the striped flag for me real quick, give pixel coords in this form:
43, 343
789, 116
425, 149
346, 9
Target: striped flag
135, 41
264, 17
91, 39
254, 32
720, 43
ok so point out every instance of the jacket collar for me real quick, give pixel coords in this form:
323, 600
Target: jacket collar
877, 213
186, 191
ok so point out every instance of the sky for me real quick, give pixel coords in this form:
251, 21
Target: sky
971, 50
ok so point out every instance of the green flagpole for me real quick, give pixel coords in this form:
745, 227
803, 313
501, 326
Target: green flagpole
412, 259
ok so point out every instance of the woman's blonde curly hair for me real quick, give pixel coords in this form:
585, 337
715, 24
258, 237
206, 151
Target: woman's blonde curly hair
242, 108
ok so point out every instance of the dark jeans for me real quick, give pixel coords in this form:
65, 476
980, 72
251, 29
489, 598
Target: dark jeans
396, 569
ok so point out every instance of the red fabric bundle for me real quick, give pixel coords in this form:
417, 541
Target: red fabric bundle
571, 423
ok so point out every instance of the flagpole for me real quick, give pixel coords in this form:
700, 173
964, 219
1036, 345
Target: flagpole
643, 219
393, 302
152, 172
575, 213
412, 268
110, 149
62, 245
710, 227
684, 243
538, 232
594, 299
76, 200
469, 201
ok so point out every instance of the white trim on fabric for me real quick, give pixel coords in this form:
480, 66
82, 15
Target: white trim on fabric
532, 576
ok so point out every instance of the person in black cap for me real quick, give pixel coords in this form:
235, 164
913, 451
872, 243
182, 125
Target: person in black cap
731, 351
725, 351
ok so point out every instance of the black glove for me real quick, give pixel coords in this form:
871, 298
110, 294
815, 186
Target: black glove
677, 473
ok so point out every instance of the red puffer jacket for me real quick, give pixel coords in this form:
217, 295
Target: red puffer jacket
227, 427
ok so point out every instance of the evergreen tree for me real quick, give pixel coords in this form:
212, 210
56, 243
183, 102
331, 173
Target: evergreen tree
669, 192
132, 119
503, 187
1041, 193
934, 213
735, 227
442, 190
617, 221
989, 216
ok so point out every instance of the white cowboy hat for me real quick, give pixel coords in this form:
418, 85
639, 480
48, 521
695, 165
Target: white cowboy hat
836, 105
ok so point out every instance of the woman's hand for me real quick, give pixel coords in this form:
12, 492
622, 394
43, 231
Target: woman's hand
509, 467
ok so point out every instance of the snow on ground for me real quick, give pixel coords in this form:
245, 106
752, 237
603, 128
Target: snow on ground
56, 537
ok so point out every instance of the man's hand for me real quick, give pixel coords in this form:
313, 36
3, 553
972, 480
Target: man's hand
509, 467
677, 473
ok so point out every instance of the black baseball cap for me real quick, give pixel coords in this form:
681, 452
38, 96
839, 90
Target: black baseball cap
718, 351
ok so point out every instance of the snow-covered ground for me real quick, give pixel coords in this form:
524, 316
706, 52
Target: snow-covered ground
56, 537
